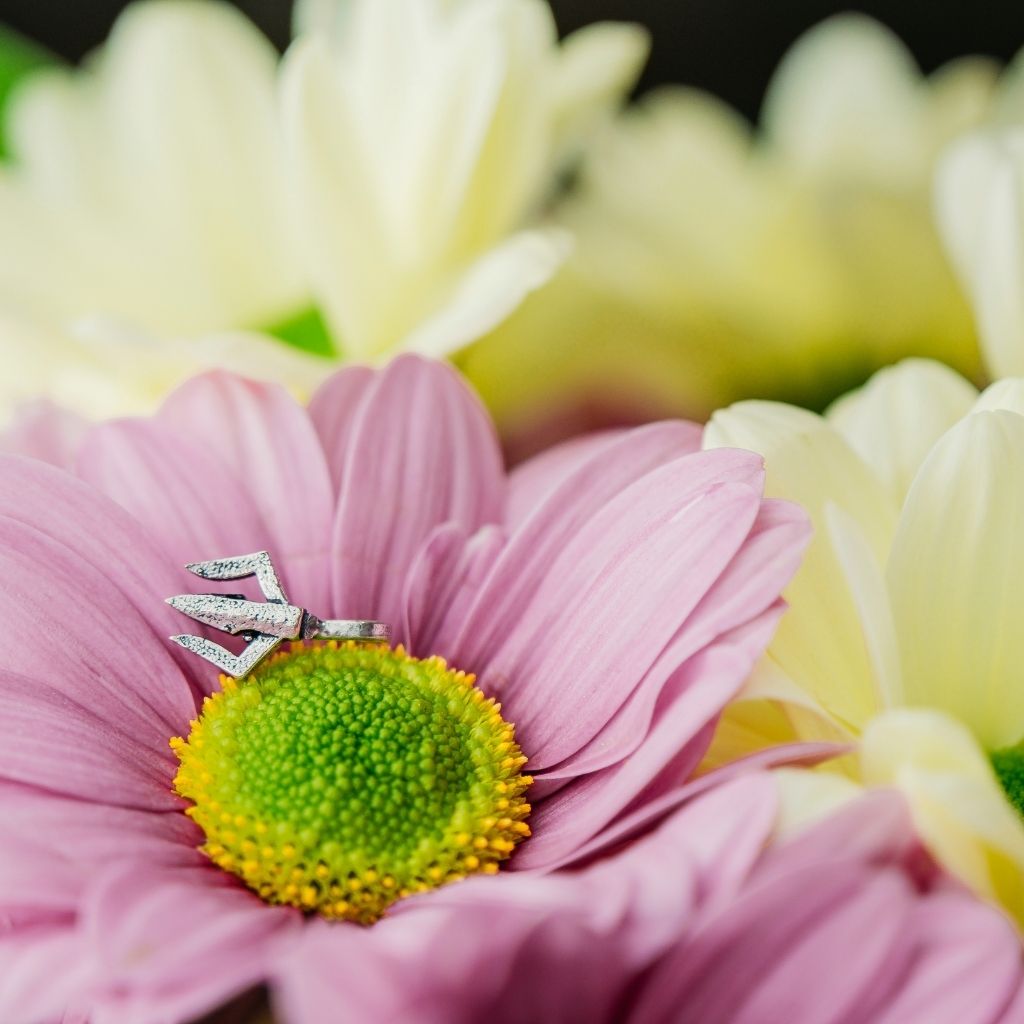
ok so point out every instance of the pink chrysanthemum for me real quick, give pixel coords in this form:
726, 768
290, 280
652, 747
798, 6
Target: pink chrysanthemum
612, 596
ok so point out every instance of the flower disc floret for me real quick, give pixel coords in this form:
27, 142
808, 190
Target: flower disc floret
339, 778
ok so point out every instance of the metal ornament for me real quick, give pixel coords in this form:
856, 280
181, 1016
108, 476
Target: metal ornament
261, 625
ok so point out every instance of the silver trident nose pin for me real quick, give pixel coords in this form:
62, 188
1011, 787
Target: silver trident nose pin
261, 625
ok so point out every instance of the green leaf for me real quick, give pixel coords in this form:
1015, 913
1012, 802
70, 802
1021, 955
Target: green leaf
18, 57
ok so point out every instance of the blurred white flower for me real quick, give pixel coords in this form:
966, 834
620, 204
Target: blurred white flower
425, 136
381, 189
713, 262
150, 185
148, 189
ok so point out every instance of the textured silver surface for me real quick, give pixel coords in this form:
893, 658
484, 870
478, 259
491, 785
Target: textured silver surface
263, 625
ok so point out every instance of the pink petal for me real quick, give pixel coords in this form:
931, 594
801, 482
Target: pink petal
594, 609
749, 586
588, 471
49, 732
99, 647
38, 884
421, 453
197, 508
52, 847
93, 834
876, 827
333, 410
765, 959
444, 581
1012, 1012
724, 830
42, 971
641, 819
108, 545
837, 928
264, 437
563, 822
963, 963
335, 975
45, 431
175, 943
530, 482
192, 505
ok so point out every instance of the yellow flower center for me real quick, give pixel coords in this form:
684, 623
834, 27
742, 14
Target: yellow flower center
341, 777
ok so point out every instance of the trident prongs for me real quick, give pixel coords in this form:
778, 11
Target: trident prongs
262, 625
230, 664
233, 615
258, 564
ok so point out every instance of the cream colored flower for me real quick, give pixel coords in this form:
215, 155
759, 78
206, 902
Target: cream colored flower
905, 632
382, 188
714, 263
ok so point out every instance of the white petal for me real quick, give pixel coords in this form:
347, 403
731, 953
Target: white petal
956, 578
1003, 394
893, 420
598, 65
345, 239
980, 208
190, 90
820, 643
1009, 105
957, 803
964, 92
865, 578
490, 290
425, 137
319, 16
963, 180
52, 126
847, 100
163, 157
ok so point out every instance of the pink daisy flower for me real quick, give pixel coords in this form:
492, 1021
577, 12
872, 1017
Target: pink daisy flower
612, 596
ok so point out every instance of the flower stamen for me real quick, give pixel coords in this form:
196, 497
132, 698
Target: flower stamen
339, 778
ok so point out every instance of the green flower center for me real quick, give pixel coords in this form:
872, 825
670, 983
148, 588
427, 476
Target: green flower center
1008, 764
341, 777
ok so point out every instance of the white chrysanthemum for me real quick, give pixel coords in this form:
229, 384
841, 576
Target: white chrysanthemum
905, 632
387, 180
713, 262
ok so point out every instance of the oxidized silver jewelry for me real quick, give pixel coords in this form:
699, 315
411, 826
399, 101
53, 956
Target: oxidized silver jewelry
261, 625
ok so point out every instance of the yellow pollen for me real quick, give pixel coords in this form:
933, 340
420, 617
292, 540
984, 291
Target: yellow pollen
341, 777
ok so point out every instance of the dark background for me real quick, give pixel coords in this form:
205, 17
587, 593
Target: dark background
727, 46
